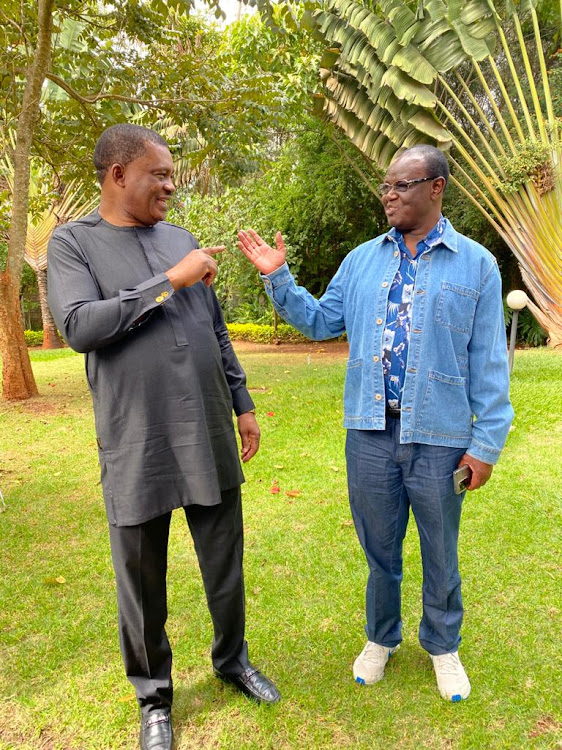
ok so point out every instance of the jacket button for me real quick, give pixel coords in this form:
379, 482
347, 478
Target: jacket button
375, 358
379, 321
378, 397
160, 298
384, 284
396, 253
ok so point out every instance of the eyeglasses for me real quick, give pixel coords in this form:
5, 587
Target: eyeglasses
402, 185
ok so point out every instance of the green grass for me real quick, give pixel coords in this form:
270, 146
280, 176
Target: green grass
61, 678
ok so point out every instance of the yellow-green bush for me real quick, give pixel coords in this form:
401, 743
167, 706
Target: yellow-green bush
264, 334
33, 338
259, 334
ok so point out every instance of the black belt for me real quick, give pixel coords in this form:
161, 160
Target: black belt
392, 413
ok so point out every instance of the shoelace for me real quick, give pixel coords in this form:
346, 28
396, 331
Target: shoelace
448, 663
373, 653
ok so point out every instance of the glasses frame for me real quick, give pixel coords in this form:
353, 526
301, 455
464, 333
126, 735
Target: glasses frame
386, 187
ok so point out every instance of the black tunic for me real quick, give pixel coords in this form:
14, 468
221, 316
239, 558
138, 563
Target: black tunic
161, 369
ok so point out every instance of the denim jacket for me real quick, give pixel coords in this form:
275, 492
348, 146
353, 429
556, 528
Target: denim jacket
456, 390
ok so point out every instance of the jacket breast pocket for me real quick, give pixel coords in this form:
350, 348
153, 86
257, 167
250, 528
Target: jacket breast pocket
456, 307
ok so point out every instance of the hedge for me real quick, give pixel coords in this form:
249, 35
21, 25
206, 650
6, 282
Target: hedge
264, 334
259, 334
33, 338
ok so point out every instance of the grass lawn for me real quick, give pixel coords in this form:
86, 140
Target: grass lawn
61, 679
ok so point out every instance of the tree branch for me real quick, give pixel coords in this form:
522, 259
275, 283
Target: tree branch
18, 28
94, 98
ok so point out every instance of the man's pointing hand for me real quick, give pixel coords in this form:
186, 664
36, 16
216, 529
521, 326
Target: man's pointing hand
197, 265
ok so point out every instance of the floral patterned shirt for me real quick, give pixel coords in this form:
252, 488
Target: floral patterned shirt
396, 336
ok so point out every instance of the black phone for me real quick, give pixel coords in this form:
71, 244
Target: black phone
461, 479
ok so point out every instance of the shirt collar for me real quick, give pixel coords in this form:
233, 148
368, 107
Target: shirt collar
442, 233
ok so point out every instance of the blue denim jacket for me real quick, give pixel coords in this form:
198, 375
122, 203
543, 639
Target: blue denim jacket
456, 391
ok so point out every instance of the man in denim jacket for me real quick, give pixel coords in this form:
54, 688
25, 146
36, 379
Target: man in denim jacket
426, 392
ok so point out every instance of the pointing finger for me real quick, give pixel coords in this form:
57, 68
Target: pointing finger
213, 250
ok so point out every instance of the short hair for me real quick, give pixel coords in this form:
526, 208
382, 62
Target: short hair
434, 159
122, 144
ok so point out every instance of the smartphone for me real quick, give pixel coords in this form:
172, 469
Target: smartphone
461, 479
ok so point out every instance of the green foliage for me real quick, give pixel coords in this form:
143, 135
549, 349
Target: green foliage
529, 330
264, 334
33, 338
28, 285
111, 62
556, 85
285, 52
270, 73
532, 162
324, 207
311, 195
216, 220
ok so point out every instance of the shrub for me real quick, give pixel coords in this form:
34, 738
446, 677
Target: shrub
264, 334
33, 338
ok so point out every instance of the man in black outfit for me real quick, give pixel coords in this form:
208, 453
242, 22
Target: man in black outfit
134, 293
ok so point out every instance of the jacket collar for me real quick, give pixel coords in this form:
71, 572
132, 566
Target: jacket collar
448, 238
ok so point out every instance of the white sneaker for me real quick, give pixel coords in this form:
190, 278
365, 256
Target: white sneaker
369, 665
452, 681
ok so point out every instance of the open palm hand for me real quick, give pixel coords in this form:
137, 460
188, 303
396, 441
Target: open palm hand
264, 257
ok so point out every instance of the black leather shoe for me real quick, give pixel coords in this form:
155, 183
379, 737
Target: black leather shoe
254, 684
156, 731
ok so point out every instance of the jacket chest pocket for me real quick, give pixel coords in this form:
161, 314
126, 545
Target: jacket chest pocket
456, 307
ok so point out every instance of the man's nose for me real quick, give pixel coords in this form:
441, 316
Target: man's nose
169, 186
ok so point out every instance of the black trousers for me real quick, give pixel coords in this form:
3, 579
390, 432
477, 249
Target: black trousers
140, 556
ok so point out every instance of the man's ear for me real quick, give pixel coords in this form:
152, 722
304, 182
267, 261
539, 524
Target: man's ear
438, 187
117, 174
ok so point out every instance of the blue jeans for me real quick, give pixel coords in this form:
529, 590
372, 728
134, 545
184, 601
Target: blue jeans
385, 479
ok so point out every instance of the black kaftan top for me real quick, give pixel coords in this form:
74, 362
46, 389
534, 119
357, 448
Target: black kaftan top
161, 369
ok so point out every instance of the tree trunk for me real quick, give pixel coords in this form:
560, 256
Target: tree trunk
18, 381
551, 324
17, 376
51, 338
